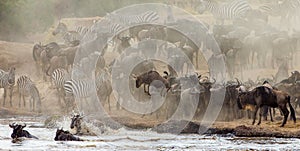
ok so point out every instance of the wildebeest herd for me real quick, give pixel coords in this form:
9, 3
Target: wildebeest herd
250, 42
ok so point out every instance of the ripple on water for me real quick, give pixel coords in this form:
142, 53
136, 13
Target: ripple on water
124, 139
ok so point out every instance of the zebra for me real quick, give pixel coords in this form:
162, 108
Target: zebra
79, 89
146, 17
234, 9
286, 10
27, 87
59, 77
7, 81
103, 86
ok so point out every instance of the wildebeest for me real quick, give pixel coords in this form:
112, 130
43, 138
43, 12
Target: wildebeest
62, 135
80, 126
19, 132
265, 96
148, 77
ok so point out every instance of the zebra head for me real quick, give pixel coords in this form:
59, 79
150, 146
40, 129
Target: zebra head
61, 28
11, 77
202, 6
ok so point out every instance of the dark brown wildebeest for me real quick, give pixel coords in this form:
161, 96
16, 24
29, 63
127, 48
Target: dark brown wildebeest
148, 77
261, 96
19, 132
62, 135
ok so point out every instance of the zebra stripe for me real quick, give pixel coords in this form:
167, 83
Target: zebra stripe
27, 87
287, 7
79, 88
7, 81
232, 10
147, 17
59, 76
7, 78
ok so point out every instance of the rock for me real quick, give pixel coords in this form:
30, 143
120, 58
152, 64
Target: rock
176, 127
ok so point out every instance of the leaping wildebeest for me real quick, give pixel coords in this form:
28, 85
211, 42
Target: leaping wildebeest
265, 96
148, 78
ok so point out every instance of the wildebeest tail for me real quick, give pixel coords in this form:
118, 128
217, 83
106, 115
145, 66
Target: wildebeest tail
32, 136
293, 116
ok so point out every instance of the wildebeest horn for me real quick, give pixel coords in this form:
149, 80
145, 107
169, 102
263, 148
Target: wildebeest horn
12, 124
237, 80
24, 125
257, 79
214, 81
206, 77
134, 76
165, 72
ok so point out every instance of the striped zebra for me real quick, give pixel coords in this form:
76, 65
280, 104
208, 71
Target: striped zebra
287, 10
103, 86
58, 78
146, 17
79, 89
232, 10
27, 88
7, 81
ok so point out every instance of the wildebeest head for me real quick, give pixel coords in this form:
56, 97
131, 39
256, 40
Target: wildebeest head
245, 100
61, 27
76, 121
138, 81
17, 130
294, 77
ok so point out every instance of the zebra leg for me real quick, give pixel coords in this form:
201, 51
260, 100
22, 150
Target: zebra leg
108, 101
19, 98
10, 95
59, 96
24, 103
4, 96
30, 104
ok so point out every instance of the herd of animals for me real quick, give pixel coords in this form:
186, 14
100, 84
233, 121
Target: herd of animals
248, 41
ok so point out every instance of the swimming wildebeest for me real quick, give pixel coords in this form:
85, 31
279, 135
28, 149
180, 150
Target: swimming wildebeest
19, 132
80, 125
62, 135
261, 96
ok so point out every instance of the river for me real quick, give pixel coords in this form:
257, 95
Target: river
124, 139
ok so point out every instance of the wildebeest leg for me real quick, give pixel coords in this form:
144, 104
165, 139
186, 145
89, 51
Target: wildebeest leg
271, 116
145, 88
254, 114
265, 112
285, 112
261, 111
